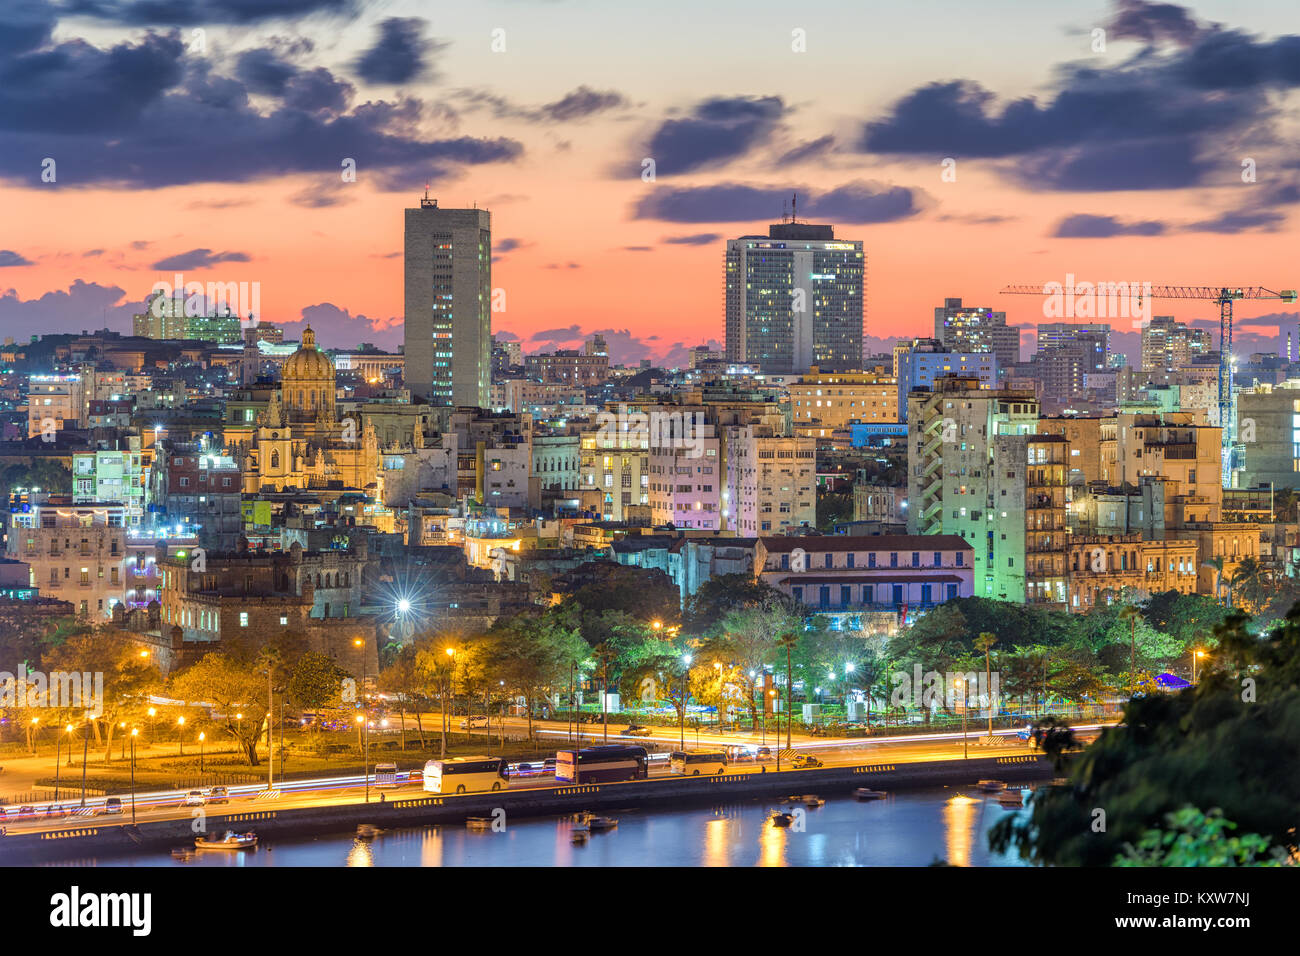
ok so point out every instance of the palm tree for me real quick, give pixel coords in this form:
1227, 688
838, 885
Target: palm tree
788, 641
1216, 562
985, 641
871, 671
1250, 581
1131, 614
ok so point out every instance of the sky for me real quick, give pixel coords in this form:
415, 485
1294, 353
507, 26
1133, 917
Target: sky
969, 146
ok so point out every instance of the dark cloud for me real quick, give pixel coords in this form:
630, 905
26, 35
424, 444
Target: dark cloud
638, 249
717, 131
116, 112
336, 327
567, 265
857, 202
508, 245
401, 53
581, 103
10, 258
263, 71
1085, 226
198, 259
695, 239
201, 12
1230, 223
92, 253
577, 104
808, 150
1152, 22
322, 195
25, 26
72, 308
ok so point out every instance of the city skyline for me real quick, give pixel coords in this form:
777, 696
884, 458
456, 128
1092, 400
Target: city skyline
747, 117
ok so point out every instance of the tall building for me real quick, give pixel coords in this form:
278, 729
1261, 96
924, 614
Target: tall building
1168, 343
927, 361
448, 310
834, 399
1091, 341
794, 299
168, 318
971, 329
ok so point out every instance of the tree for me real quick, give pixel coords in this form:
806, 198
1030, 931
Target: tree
1229, 742
1216, 563
747, 638
1192, 838
718, 597
231, 688
316, 683
405, 681
128, 676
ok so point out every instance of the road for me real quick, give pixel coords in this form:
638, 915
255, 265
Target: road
329, 791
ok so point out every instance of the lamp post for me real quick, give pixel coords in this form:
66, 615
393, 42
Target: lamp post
85, 749
1195, 655
201, 738
717, 666
365, 725
686, 676
69, 728
122, 727
58, 742
450, 708
152, 713
965, 743
180, 734
361, 733
752, 690
134, 733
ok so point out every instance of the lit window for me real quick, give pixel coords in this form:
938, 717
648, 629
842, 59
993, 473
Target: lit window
243, 619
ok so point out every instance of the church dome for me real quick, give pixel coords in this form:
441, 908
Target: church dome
308, 364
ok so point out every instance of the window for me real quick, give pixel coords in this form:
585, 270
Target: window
243, 619
284, 619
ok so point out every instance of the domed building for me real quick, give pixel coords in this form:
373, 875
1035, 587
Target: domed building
307, 383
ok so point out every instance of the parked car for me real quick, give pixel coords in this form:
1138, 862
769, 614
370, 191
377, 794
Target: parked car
112, 805
218, 795
194, 798
805, 762
636, 730
473, 723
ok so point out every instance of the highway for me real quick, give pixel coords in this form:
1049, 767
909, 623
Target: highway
157, 805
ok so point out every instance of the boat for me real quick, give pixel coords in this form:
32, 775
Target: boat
1011, 799
866, 793
596, 823
478, 823
368, 831
227, 841
812, 801
183, 853
991, 786
781, 818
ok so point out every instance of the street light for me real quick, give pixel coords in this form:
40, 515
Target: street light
686, 675
965, 744
180, 734
1194, 657
152, 713
201, 739
449, 709
134, 733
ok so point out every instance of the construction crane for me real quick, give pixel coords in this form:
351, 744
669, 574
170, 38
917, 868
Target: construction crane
1225, 296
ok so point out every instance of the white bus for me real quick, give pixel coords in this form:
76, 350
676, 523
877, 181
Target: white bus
695, 763
386, 775
463, 774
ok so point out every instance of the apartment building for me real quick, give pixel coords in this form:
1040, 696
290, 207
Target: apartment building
76, 552
771, 481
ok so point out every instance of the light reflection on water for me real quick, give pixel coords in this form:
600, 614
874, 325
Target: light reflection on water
909, 829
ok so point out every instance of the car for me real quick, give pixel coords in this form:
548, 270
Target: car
805, 762
218, 795
111, 805
194, 798
24, 812
54, 810
635, 730
763, 753
473, 722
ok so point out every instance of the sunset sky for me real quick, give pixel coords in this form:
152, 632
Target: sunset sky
218, 153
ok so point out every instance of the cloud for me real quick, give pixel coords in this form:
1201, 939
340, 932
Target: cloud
10, 258
807, 150
638, 249
1230, 223
567, 265
856, 202
1085, 226
198, 259
336, 327
401, 53
115, 112
81, 303
581, 103
695, 239
1152, 22
578, 104
509, 245
200, 12
717, 131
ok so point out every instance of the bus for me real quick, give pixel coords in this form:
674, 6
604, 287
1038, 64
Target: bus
693, 763
386, 775
601, 764
463, 774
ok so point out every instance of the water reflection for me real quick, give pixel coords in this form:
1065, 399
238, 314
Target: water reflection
959, 824
361, 854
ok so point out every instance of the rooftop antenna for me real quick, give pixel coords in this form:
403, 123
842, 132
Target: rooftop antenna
426, 202
785, 212
794, 207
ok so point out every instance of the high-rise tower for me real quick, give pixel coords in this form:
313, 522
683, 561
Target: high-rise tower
448, 279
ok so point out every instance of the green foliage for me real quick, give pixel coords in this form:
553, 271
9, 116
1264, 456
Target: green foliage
316, 682
718, 597
1193, 838
1232, 742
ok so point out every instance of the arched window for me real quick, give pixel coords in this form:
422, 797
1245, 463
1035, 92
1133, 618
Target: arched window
275, 459
318, 579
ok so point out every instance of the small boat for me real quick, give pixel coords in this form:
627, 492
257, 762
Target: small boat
991, 786
227, 841
596, 823
812, 801
368, 831
1011, 799
781, 818
865, 793
183, 853
478, 823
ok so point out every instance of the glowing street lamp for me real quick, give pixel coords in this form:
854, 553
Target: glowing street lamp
180, 733
1194, 657
202, 737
